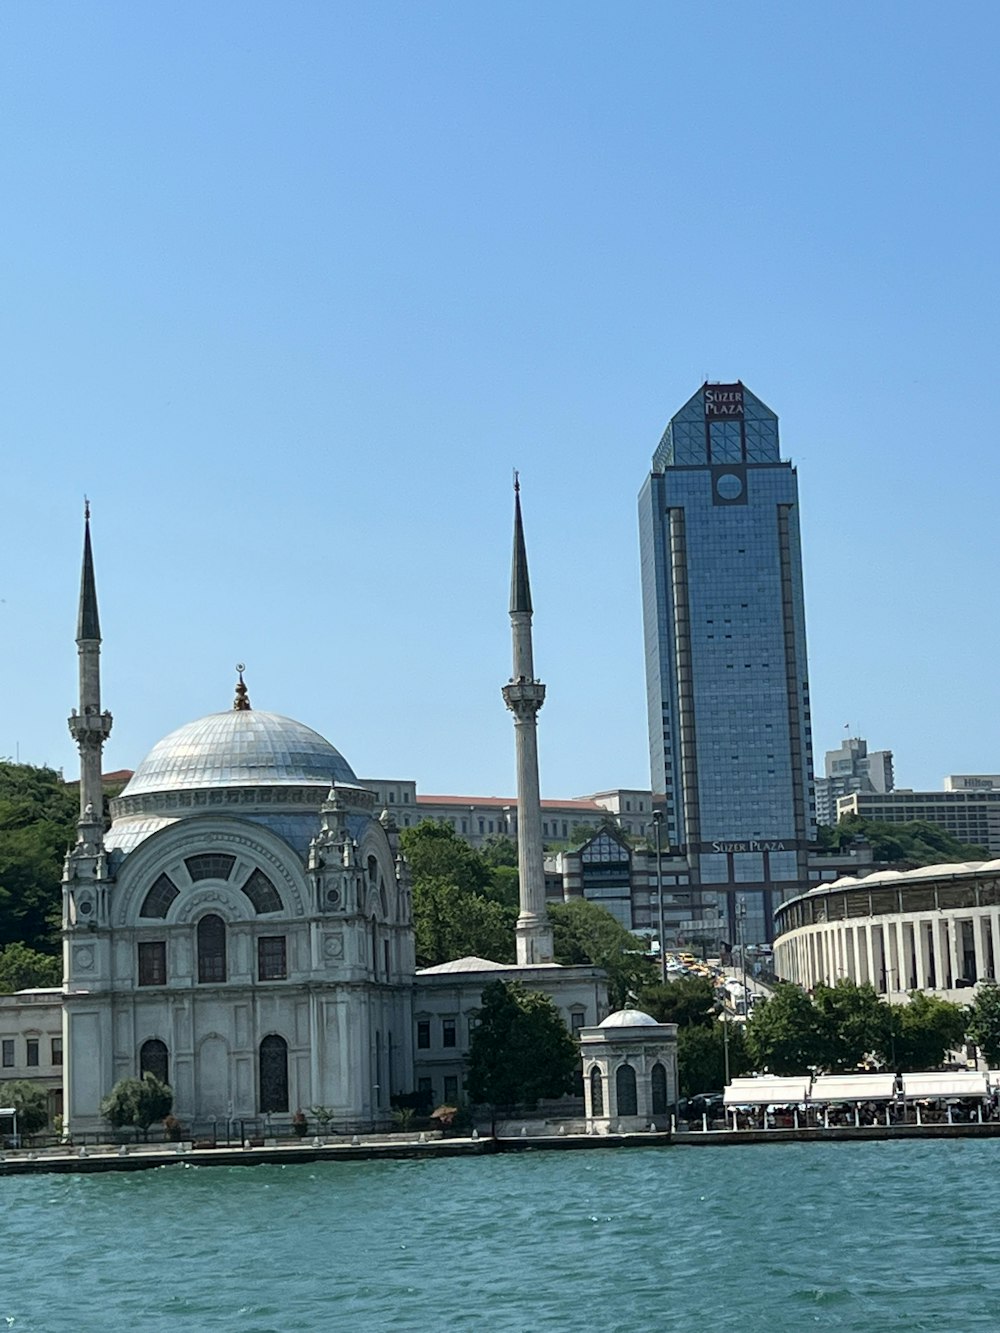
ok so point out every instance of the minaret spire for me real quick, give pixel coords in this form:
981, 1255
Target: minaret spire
89, 727
524, 695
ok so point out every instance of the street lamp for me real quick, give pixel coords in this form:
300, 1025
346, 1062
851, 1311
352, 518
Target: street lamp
657, 816
741, 922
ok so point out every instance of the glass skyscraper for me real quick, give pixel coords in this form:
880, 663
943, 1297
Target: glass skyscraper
726, 672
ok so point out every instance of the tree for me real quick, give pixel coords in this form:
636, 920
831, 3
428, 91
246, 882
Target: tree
499, 850
21, 968
921, 1032
701, 1056
450, 924
915, 843
137, 1101
783, 1033
30, 1102
435, 851
984, 1023
520, 1049
851, 1024
583, 932
688, 1001
38, 813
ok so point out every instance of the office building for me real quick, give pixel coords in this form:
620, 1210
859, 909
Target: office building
973, 817
852, 767
726, 669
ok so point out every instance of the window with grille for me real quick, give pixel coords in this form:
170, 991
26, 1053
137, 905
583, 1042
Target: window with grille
658, 1088
153, 1059
262, 893
628, 1102
274, 1074
210, 865
271, 958
596, 1092
158, 899
153, 963
211, 949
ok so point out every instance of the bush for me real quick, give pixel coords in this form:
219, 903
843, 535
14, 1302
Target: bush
137, 1102
30, 1102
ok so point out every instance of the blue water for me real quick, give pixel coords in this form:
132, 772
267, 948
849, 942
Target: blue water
859, 1236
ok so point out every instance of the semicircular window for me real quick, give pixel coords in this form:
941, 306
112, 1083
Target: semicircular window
158, 899
210, 865
262, 893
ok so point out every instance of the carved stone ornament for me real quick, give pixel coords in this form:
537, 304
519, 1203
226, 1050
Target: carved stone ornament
83, 958
333, 946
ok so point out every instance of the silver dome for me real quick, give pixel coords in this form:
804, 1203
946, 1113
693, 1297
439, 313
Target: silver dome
629, 1018
239, 748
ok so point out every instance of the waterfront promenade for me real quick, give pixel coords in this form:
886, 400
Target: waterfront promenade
144, 1157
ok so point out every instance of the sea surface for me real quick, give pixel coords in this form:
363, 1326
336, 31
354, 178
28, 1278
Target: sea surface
860, 1236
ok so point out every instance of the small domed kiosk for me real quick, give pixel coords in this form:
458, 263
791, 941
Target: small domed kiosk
629, 1073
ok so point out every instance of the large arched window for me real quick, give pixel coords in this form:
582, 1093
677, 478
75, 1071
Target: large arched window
658, 1089
274, 1074
153, 1059
157, 901
628, 1103
262, 893
211, 949
596, 1092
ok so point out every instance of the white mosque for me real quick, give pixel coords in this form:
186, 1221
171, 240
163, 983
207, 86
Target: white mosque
244, 928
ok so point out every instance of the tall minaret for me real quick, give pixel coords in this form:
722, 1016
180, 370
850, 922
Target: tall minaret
89, 727
524, 695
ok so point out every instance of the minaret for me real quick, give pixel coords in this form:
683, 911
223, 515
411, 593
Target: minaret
524, 695
89, 727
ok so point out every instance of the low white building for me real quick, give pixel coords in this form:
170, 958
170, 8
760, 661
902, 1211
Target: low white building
31, 1041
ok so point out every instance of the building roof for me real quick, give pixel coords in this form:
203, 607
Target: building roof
474, 964
240, 748
629, 1018
503, 802
904, 877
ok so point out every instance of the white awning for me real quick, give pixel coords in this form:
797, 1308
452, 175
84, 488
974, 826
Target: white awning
767, 1091
853, 1088
964, 1083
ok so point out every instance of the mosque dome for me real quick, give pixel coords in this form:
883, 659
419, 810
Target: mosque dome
240, 748
629, 1018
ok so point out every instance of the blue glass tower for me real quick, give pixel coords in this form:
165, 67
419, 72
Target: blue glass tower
726, 673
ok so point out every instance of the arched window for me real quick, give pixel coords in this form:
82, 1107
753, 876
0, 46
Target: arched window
596, 1092
628, 1103
262, 893
158, 899
210, 865
211, 949
153, 1059
274, 1074
658, 1088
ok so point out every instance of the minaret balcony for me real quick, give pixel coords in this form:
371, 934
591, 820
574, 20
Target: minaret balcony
523, 695
90, 726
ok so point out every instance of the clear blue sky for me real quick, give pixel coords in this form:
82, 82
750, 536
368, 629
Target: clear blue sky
288, 289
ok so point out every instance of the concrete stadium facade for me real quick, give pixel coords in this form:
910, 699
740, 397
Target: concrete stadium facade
936, 929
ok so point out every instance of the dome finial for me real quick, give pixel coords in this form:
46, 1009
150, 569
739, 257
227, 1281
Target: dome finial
242, 701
